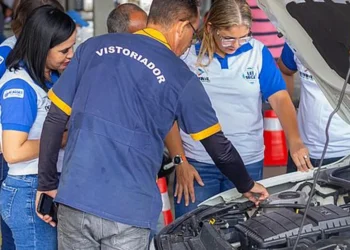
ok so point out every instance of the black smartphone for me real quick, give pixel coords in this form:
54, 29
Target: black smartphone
47, 206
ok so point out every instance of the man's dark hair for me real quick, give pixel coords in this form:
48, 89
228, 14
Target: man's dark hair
46, 27
167, 12
25, 7
119, 18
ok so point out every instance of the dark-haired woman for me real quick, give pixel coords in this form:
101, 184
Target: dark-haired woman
43, 49
22, 10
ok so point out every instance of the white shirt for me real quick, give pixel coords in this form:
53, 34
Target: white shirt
313, 114
236, 85
23, 107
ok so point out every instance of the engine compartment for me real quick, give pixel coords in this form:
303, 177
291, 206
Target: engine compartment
279, 229
273, 225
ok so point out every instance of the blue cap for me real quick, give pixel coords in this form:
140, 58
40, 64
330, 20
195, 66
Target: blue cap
77, 18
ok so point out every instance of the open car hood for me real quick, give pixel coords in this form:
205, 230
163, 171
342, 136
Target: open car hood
315, 39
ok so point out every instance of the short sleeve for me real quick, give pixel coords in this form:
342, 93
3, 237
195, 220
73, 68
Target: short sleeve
18, 106
4, 52
270, 77
63, 92
287, 58
195, 113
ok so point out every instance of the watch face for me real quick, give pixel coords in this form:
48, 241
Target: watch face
177, 160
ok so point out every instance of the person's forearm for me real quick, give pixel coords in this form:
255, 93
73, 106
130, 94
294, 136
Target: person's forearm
50, 144
173, 142
29, 150
283, 106
228, 160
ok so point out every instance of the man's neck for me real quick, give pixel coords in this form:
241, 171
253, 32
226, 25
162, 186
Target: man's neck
165, 33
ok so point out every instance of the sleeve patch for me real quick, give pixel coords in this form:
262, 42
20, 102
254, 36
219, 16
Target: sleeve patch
13, 93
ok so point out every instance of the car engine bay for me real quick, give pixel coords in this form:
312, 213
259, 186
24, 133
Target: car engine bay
274, 224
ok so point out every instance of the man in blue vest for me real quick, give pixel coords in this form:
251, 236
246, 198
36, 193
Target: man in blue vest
122, 94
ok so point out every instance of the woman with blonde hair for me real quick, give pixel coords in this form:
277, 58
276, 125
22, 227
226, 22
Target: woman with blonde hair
238, 74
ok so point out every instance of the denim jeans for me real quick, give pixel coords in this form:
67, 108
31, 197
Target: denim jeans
214, 183
79, 230
17, 206
7, 239
291, 167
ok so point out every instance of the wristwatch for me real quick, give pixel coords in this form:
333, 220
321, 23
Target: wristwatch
178, 159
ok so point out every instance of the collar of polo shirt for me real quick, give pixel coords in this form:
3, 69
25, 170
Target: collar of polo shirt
155, 34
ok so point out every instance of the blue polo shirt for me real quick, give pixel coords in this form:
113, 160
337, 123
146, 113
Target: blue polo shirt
123, 93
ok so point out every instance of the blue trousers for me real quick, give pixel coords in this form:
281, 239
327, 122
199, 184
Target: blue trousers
7, 239
17, 206
214, 183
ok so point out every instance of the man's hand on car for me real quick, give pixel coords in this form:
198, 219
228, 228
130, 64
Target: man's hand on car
257, 194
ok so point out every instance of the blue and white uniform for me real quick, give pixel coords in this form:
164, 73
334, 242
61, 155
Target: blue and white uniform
24, 106
236, 86
313, 114
5, 49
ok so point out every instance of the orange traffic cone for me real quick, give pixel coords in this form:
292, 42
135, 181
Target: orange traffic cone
276, 153
168, 216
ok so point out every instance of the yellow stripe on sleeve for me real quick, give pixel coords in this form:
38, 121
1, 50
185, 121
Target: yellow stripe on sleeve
59, 103
206, 132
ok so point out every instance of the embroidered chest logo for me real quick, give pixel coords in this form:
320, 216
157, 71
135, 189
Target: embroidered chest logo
305, 74
202, 75
250, 75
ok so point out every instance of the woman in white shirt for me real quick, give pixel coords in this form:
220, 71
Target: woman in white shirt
313, 114
43, 49
238, 74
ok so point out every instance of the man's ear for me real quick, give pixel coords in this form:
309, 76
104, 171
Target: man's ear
181, 28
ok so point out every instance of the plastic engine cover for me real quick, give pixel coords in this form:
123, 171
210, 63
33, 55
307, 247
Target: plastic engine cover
280, 228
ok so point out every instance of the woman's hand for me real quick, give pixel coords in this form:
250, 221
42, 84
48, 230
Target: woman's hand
300, 155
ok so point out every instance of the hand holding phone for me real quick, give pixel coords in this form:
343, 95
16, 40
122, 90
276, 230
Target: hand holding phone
47, 206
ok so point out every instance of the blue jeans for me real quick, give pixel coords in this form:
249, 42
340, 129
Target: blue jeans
214, 183
7, 240
17, 206
291, 167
